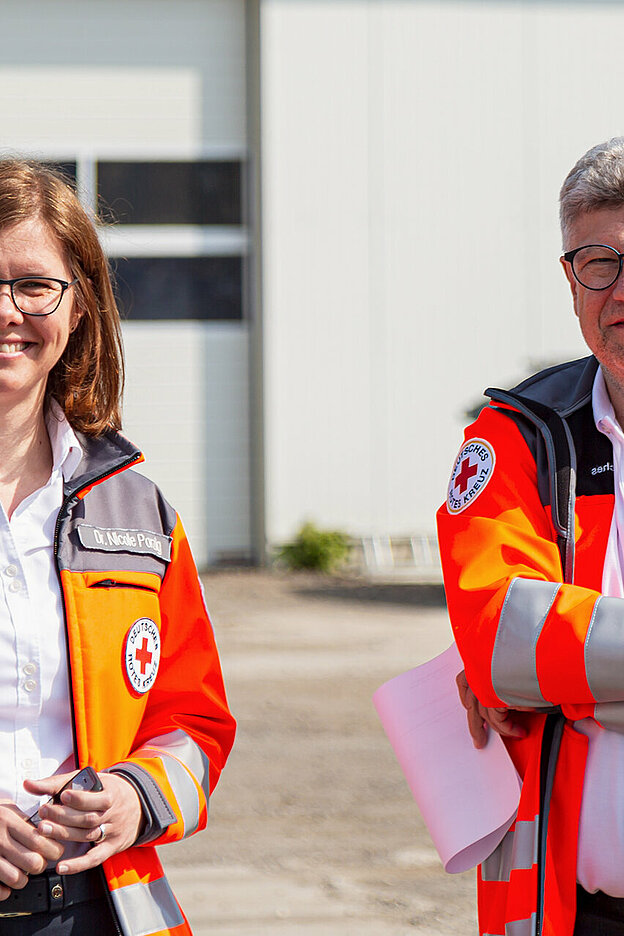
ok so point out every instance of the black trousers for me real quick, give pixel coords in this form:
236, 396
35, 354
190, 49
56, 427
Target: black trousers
598, 914
88, 919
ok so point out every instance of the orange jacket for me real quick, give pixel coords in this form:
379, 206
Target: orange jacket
523, 537
147, 693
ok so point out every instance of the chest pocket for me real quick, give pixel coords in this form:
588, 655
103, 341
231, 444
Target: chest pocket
122, 591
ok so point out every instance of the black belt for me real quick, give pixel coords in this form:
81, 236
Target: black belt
50, 892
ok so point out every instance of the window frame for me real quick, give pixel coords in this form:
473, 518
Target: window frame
169, 240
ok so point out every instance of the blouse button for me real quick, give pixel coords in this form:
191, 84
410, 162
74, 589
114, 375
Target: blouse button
30, 685
29, 669
11, 570
15, 585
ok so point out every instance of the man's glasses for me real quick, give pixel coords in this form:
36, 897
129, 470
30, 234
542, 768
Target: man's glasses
595, 266
37, 295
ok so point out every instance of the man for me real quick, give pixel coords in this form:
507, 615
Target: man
532, 543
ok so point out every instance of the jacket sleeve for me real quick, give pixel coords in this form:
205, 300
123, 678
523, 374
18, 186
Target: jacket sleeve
526, 639
187, 730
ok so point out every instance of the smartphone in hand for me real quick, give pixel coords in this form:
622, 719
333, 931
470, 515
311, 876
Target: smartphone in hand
86, 780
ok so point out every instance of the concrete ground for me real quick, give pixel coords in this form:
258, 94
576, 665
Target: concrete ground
313, 830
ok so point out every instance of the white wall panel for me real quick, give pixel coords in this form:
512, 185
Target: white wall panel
412, 157
111, 74
316, 255
187, 408
109, 109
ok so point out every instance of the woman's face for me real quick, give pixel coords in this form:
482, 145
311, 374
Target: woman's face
30, 346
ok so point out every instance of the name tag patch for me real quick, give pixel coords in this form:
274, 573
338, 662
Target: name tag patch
142, 654
107, 539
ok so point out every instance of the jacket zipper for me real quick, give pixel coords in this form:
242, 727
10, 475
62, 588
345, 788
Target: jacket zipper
551, 742
69, 502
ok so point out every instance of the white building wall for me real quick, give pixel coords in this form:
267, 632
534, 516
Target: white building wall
412, 158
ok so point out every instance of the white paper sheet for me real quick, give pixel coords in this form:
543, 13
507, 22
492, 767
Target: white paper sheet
468, 797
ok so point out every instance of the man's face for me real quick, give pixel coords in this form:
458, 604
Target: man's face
601, 314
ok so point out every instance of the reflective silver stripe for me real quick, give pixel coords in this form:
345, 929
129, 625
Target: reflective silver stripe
521, 927
518, 928
524, 854
185, 749
497, 866
185, 793
179, 745
516, 852
603, 650
146, 908
514, 670
610, 715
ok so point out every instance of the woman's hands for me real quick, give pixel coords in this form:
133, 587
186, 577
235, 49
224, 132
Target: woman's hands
79, 815
23, 849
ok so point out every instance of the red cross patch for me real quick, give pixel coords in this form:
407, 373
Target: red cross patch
472, 470
142, 654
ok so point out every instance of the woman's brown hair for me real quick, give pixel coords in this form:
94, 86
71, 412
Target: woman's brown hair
87, 381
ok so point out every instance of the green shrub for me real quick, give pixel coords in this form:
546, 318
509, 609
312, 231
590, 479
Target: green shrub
312, 548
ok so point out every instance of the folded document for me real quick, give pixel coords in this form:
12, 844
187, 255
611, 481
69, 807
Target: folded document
468, 798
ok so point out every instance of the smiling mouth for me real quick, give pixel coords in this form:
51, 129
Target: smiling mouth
14, 347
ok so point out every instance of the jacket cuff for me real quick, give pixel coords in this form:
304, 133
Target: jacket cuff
157, 813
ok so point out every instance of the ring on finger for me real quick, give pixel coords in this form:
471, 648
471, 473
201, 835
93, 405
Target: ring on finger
102, 835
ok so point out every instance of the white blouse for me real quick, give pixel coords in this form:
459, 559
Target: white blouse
35, 714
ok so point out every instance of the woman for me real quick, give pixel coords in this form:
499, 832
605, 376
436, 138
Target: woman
107, 656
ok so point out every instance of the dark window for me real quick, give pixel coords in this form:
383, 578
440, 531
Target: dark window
179, 287
204, 192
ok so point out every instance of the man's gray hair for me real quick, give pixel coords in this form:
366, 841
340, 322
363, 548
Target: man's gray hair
596, 181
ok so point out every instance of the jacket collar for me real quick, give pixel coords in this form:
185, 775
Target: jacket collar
102, 456
564, 387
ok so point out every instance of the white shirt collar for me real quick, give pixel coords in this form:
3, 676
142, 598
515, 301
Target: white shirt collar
604, 414
66, 449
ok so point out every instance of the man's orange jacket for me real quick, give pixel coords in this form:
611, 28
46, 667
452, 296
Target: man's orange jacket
523, 537
147, 694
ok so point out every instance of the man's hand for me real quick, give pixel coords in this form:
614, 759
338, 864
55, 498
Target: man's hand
23, 850
80, 817
479, 716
